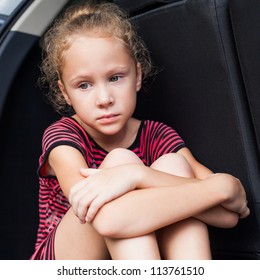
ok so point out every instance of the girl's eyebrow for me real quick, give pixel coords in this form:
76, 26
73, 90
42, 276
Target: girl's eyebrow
118, 68
79, 78
113, 70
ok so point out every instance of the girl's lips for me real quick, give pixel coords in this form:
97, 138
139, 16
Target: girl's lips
106, 119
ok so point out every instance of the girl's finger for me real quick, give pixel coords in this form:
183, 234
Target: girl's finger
81, 202
85, 172
245, 213
93, 209
75, 189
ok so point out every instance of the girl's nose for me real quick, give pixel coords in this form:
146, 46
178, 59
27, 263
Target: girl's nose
104, 98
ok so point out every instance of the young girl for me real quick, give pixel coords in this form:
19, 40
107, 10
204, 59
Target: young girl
112, 186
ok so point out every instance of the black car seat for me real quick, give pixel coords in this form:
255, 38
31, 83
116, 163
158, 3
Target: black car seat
246, 27
200, 91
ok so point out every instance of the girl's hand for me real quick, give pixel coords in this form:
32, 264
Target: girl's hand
236, 200
100, 187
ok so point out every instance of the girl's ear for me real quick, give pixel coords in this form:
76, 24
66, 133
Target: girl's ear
138, 76
64, 92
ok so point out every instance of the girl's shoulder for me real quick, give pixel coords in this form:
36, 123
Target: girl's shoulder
161, 137
64, 131
65, 127
66, 123
157, 131
151, 125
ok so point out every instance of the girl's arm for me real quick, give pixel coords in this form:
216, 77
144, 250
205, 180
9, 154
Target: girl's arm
148, 209
200, 171
217, 216
87, 193
64, 162
142, 211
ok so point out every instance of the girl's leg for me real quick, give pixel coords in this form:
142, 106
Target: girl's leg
187, 239
141, 247
81, 241
136, 248
154, 208
76, 241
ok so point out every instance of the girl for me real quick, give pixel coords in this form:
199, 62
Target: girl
112, 186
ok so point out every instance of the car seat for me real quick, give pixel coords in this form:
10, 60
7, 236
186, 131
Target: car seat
200, 90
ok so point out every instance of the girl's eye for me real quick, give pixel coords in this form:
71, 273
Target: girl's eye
85, 85
114, 79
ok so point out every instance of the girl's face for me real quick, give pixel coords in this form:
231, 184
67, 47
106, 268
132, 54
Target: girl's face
100, 80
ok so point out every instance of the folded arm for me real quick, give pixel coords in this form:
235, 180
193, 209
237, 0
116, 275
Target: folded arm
151, 199
149, 209
217, 216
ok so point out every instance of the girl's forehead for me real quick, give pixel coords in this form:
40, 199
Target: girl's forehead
88, 37
83, 38
93, 44
95, 33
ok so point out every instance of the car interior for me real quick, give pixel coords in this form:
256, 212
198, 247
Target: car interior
207, 58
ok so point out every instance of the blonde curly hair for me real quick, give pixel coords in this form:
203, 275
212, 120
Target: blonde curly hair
105, 18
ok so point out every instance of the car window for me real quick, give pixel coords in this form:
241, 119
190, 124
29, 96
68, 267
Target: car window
8, 6
9, 10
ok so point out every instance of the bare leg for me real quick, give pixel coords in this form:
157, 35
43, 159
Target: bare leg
136, 248
73, 239
81, 241
187, 239
76, 241
141, 247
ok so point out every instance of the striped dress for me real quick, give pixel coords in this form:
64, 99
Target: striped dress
153, 140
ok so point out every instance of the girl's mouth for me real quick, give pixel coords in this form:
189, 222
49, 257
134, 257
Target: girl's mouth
108, 118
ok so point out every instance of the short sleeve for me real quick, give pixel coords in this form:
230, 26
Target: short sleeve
163, 140
63, 132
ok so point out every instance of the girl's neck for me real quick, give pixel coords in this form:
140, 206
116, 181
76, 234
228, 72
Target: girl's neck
124, 139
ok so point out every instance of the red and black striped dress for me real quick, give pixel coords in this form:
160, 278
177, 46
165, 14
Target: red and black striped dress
153, 140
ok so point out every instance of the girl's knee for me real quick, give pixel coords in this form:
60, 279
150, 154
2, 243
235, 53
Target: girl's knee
141, 247
186, 239
175, 164
120, 156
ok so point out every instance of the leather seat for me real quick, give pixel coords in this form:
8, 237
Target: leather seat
201, 91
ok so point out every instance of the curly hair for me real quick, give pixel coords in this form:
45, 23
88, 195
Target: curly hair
105, 18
